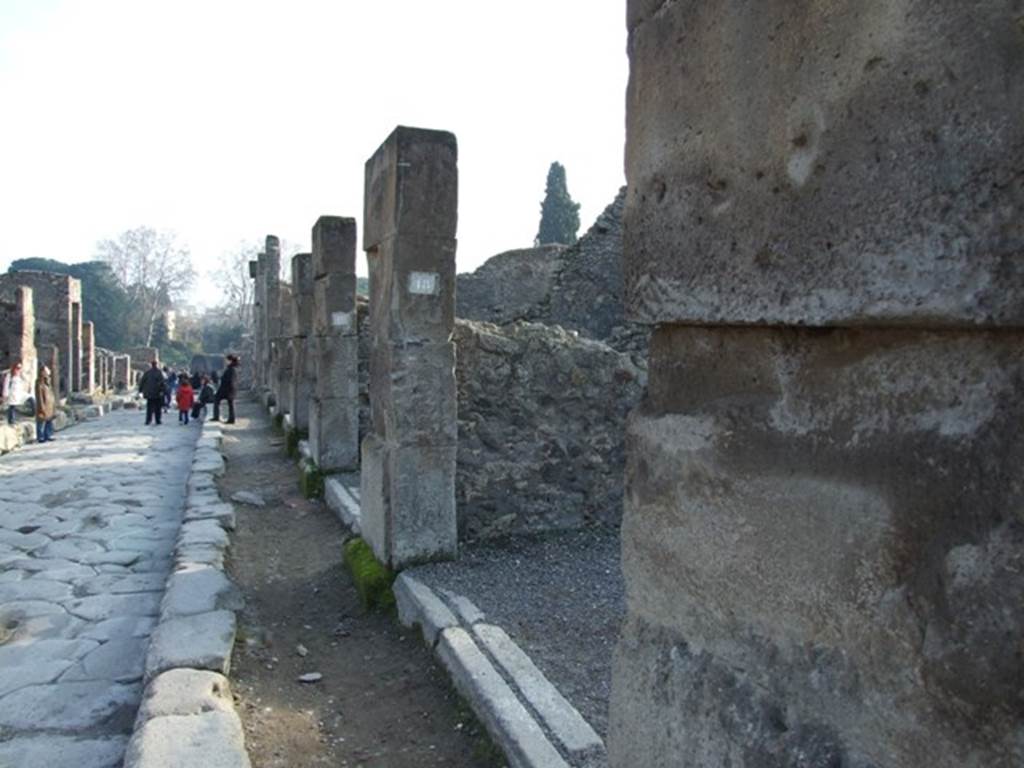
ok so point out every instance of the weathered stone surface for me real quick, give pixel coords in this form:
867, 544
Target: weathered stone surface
206, 533
417, 524
418, 605
223, 513
199, 590
68, 706
334, 246
120, 659
210, 739
42, 661
865, 196
55, 751
846, 517
248, 497
560, 717
508, 721
515, 285
541, 417
202, 641
185, 692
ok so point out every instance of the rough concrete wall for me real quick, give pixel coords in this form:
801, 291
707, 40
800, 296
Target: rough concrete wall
541, 421
822, 537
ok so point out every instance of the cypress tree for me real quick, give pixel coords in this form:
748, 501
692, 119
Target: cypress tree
559, 215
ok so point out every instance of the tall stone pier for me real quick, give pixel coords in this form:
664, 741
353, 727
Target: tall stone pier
823, 540
256, 268
123, 373
271, 310
281, 350
89, 377
408, 461
301, 390
75, 364
334, 415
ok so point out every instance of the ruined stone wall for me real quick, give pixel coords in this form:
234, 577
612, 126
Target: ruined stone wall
822, 534
542, 416
515, 285
17, 333
54, 297
578, 287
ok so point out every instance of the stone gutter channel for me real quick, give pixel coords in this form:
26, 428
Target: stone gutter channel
187, 714
524, 713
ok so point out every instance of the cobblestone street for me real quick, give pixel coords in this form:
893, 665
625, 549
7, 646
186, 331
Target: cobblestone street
87, 527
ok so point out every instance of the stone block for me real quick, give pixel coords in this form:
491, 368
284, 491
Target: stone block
495, 704
340, 500
862, 197
419, 606
334, 246
337, 367
202, 641
412, 289
408, 502
185, 692
809, 515
412, 393
562, 719
411, 186
199, 589
334, 304
334, 434
210, 739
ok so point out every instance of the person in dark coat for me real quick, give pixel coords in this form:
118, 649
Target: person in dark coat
153, 386
228, 389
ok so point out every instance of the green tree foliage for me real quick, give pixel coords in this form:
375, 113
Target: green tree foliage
559, 215
104, 301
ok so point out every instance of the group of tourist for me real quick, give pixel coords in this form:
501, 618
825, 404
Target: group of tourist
189, 394
16, 394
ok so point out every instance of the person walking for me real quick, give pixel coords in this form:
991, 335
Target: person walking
170, 384
228, 389
46, 406
153, 387
15, 390
185, 397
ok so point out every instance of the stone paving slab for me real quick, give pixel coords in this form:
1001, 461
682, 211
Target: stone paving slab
88, 525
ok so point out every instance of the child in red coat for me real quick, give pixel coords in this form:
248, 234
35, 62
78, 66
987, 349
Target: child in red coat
185, 397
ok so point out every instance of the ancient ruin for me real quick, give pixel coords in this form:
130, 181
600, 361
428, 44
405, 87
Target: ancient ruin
733, 480
821, 542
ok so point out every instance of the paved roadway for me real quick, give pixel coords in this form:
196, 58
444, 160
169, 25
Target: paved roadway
87, 527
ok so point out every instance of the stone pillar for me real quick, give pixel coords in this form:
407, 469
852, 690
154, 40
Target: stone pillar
408, 461
281, 353
271, 309
123, 373
88, 357
302, 332
74, 365
822, 534
334, 415
255, 274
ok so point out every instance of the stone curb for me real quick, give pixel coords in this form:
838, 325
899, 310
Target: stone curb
341, 501
524, 712
187, 715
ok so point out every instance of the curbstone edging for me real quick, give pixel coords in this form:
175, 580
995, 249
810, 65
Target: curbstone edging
500, 681
187, 714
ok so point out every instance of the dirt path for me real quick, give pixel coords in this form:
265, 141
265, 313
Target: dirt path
382, 700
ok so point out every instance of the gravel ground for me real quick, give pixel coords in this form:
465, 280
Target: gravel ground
559, 595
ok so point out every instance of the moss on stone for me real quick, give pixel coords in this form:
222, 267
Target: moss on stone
311, 480
372, 579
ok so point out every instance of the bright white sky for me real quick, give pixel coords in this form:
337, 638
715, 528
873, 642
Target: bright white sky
225, 121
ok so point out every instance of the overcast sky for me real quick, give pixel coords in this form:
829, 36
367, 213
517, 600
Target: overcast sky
226, 121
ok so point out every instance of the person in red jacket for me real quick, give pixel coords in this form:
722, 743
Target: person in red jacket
186, 395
